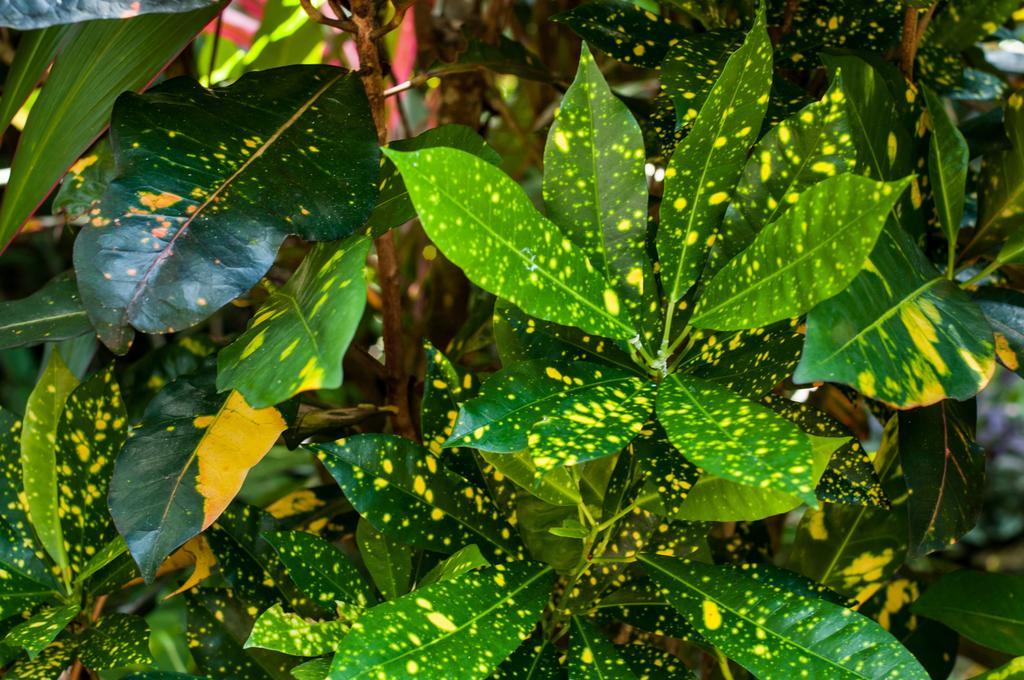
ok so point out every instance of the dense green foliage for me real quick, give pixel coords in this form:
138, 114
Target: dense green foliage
631, 340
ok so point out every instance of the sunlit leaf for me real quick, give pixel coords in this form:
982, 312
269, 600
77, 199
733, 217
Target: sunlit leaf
592, 655
291, 634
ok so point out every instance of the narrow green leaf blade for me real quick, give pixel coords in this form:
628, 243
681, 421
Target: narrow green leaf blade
461, 628
483, 222
389, 561
43, 628
947, 167
593, 656
297, 338
776, 633
735, 438
35, 53
51, 314
806, 256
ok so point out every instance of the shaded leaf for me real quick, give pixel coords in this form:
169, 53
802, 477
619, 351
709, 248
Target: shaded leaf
534, 660
183, 464
984, 607
388, 561
87, 180
155, 255
296, 340
777, 633
947, 167
593, 656
806, 256
692, 66
116, 641
1004, 310
36, 51
399, 487
320, 570
734, 438
461, 628
625, 31
484, 223
443, 390
43, 628
51, 314
465, 559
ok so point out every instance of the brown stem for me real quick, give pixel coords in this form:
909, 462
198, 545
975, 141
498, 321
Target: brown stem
908, 42
787, 16
364, 18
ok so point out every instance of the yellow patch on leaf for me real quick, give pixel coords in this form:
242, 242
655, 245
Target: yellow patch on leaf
235, 440
197, 552
157, 201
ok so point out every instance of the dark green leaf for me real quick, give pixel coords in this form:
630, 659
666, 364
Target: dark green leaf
189, 174
484, 223
320, 570
388, 561
734, 438
776, 633
399, 487
595, 188
1004, 310
461, 628
297, 338
35, 53
51, 663
87, 180
465, 559
1000, 195
51, 314
535, 659
444, 389
985, 607
74, 106
806, 256
593, 657
947, 168
692, 66
116, 641
183, 464
43, 628
625, 31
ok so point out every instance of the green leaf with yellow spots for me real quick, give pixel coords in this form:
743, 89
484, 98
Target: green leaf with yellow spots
777, 633
1004, 310
557, 486
51, 314
715, 499
853, 548
692, 66
593, 657
34, 634
901, 333
465, 559
295, 635
322, 571
163, 248
394, 208
625, 31
92, 430
39, 456
401, 489
389, 561
734, 438
116, 641
534, 660
485, 223
810, 253
296, 340
183, 464
669, 474
869, 24
86, 181
947, 167
981, 606
652, 663
514, 403
520, 337
750, 362
218, 625
944, 469
50, 663
444, 389
811, 145
708, 162
1001, 192
1009, 671
594, 185
461, 628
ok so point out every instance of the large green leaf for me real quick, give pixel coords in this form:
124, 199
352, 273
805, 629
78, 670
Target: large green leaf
38, 454
901, 333
708, 162
807, 255
483, 222
1004, 310
320, 570
183, 464
594, 187
163, 251
463, 560
399, 487
101, 60
389, 561
43, 628
624, 30
593, 657
985, 607
777, 633
24, 15
51, 314
692, 66
809, 146
459, 629
50, 663
92, 429
297, 339
735, 438
503, 416
116, 641
295, 635
557, 486
947, 168
1008, 671
35, 53
944, 469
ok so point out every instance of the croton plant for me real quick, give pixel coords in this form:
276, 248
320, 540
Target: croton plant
507, 339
